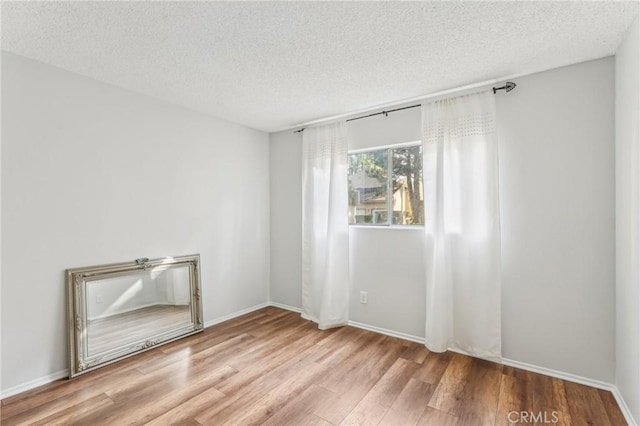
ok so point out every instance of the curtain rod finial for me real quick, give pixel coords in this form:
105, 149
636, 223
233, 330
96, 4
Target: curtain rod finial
509, 86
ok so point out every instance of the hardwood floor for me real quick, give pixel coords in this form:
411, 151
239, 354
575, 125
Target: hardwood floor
272, 367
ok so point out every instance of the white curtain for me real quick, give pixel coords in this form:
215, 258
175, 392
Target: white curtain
325, 228
462, 223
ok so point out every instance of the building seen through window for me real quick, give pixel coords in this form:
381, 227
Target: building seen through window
383, 181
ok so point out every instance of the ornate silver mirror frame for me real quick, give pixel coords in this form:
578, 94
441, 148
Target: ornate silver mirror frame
111, 314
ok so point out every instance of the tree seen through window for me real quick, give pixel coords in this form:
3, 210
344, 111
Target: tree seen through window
383, 181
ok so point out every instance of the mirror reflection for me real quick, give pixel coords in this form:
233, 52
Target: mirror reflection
126, 309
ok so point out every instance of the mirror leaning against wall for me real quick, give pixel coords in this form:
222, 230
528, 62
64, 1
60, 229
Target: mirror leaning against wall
120, 309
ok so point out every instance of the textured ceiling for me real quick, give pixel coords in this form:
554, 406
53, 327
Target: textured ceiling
272, 65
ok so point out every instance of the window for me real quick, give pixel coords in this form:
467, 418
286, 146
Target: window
385, 186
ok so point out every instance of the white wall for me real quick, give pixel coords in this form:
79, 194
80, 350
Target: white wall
95, 174
557, 192
628, 219
389, 265
397, 127
286, 218
557, 205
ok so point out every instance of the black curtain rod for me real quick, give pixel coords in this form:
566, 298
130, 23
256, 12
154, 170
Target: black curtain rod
385, 113
509, 86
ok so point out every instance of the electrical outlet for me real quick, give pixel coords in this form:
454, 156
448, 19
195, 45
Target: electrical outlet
99, 298
363, 297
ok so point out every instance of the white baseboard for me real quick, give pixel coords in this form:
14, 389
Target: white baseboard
14, 390
235, 314
287, 307
386, 332
558, 374
360, 325
577, 379
623, 406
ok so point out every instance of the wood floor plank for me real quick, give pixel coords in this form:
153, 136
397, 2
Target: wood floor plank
586, 406
171, 376
125, 409
277, 326
204, 341
250, 391
410, 405
559, 398
216, 333
353, 378
157, 391
267, 347
434, 417
339, 405
415, 352
391, 352
549, 398
366, 358
300, 409
271, 402
372, 408
52, 405
187, 422
433, 367
518, 373
345, 348
341, 336
221, 332
145, 413
74, 413
312, 420
229, 348
479, 400
516, 395
292, 351
611, 407
185, 413
448, 393
273, 367
275, 315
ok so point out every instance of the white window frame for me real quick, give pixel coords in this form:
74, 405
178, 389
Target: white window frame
388, 148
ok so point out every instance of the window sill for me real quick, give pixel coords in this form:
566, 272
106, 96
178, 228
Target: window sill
401, 227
